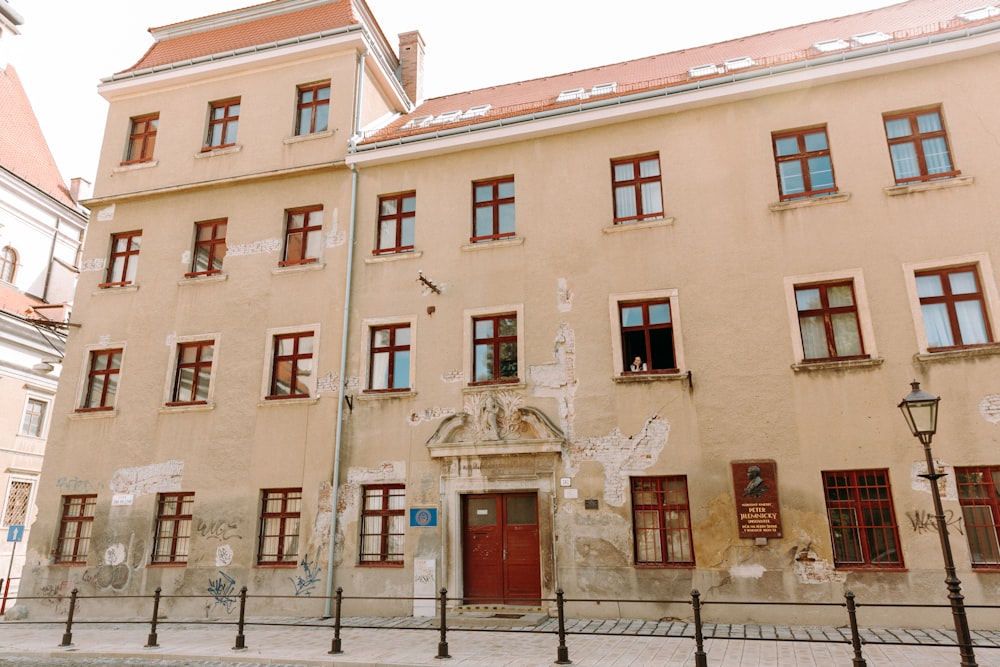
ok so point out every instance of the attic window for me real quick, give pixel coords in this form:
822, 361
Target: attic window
604, 88
866, 38
978, 14
703, 70
447, 117
477, 112
572, 94
830, 45
419, 121
739, 63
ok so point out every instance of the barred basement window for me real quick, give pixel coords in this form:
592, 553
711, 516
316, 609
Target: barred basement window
278, 541
173, 528
75, 529
383, 524
661, 521
862, 520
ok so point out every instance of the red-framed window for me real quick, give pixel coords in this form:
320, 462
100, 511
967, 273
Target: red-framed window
803, 163
8, 264
953, 308
397, 216
75, 528
661, 521
828, 321
209, 247
278, 541
124, 259
303, 236
647, 330
223, 121
33, 419
637, 189
313, 108
918, 146
102, 380
862, 519
389, 363
383, 524
193, 373
979, 496
141, 138
494, 348
172, 541
492, 209
291, 365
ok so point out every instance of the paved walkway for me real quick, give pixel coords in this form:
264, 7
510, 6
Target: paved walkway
408, 642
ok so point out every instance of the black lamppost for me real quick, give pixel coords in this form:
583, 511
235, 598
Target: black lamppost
920, 410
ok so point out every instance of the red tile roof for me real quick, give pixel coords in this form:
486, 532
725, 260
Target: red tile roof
23, 150
900, 22
328, 16
18, 303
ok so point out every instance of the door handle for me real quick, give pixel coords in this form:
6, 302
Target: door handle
505, 554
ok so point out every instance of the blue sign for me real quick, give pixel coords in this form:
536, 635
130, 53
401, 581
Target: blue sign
423, 517
15, 533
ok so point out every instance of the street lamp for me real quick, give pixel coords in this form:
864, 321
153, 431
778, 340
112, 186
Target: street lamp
919, 408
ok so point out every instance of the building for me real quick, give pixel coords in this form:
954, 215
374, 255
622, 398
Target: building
41, 234
627, 331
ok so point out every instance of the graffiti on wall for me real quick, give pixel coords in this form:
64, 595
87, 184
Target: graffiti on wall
218, 529
923, 521
305, 583
223, 591
120, 563
154, 478
74, 485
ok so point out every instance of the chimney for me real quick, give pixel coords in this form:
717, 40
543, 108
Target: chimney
411, 65
80, 188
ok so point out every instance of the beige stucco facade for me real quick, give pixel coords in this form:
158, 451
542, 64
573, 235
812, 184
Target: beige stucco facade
572, 429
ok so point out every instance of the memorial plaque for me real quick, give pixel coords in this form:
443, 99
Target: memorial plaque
758, 513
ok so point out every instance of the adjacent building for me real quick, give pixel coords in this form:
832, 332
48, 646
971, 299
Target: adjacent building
627, 331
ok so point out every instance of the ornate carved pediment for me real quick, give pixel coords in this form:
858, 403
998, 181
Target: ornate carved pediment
496, 423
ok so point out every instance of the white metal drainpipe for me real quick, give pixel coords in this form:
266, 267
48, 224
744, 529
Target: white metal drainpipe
335, 483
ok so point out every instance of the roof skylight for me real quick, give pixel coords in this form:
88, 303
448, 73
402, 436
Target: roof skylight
572, 94
477, 112
979, 13
739, 63
704, 70
829, 45
447, 117
604, 88
419, 121
873, 37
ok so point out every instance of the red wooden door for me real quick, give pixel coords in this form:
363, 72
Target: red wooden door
500, 548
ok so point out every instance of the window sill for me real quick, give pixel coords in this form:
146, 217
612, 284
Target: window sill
817, 200
392, 565
122, 168
380, 394
296, 268
115, 289
69, 563
496, 243
187, 407
158, 565
951, 355
276, 565
93, 414
664, 566
215, 152
645, 224
679, 376
490, 386
393, 256
268, 402
203, 279
924, 186
837, 365
874, 569
299, 138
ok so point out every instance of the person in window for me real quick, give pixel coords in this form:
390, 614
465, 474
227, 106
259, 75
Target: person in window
637, 365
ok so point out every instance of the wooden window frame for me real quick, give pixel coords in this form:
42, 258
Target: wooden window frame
916, 138
311, 106
968, 497
827, 312
803, 156
391, 349
276, 525
33, 421
949, 300
496, 341
78, 514
658, 487
386, 515
646, 328
100, 374
172, 546
123, 259
141, 139
843, 490
494, 204
210, 242
636, 183
294, 359
8, 264
298, 237
200, 368
399, 217
228, 118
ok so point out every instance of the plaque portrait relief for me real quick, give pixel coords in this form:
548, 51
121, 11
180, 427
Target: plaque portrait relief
755, 488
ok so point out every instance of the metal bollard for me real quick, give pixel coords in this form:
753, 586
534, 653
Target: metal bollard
852, 614
67, 639
335, 646
562, 653
151, 640
443, 643
700, 658
241, 640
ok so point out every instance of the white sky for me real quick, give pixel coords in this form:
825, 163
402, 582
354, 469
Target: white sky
67, 46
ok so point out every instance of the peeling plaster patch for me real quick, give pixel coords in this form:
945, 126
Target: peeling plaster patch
223, 555
114, 554
353, 383
186, 258
564, 296
253, 248
327, 383
90, 265
452, 376
349, 494
620, 455
989, 408
557, 379
334, 239
106, 214
747, 571
166, 476
171, 339
949, 491
104, 339
324, 511
430, 414
811, 569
